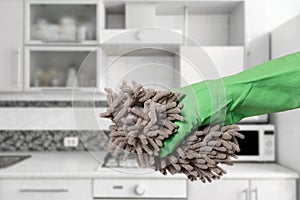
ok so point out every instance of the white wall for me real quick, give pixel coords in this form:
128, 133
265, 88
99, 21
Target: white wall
263, 16
285, 40
280, 11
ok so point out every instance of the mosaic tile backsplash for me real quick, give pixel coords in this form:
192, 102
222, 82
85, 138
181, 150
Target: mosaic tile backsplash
50, 140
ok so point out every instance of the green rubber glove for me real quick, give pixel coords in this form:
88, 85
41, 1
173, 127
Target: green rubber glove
270, 87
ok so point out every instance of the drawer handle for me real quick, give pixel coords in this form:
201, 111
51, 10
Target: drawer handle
60, 41
19, 66
118, 187
60, 89
255, 191
246, 193
28, 190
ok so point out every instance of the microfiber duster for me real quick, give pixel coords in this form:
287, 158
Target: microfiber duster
177, 131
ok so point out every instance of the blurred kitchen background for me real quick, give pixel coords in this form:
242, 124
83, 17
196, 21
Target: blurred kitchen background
57, 56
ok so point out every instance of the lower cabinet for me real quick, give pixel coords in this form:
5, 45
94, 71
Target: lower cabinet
144, 188
260, 189
225, 190
273, 189
82, 189
45, 189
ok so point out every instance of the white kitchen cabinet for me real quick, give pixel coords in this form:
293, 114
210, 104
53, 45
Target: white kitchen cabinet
225, 190
11, 45
198, 64
141, 37
228, 60
216, 23
128, 22
153, 67
219, 26
61, 22
45, 189
58, 68
289, 33
273, 189
60, 48
244, 189
136, 9
257, 32
123, 14
140, 188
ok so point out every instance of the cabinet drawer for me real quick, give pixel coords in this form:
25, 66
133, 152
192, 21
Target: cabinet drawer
51, 189
141, 36
140, 188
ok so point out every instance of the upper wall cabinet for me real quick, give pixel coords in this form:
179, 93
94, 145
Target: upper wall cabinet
141, 14
61, 39
61, 22
59, 68
216, 23
149, 19
206, 23
257, 32
11, 45
289, 33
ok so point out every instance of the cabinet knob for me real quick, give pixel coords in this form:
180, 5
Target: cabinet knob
140, 190
141, 35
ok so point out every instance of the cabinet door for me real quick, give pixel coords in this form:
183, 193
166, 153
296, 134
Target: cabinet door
225, 190
257, 32
198, 64
273, 189
11, 23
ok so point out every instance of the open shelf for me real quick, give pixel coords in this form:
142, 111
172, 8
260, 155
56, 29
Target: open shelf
206, 23
131, 15
114, 15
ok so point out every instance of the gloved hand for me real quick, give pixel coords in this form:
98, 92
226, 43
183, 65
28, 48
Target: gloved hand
270, 87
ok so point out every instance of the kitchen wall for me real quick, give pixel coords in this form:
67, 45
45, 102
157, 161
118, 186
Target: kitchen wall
280, 11
288, 139
285, 39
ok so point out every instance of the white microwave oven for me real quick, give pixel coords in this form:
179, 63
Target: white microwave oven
259, 143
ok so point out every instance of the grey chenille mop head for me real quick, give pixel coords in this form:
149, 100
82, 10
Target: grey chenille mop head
142, 118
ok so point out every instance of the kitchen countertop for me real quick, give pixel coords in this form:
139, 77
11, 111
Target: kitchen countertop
83, 165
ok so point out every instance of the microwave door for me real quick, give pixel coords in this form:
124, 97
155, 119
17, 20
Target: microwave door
250, 146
